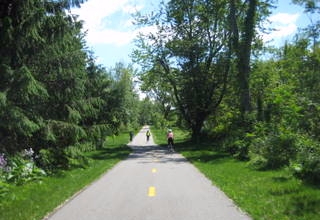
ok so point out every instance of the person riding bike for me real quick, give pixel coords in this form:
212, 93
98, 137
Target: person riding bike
148, 135
170, 137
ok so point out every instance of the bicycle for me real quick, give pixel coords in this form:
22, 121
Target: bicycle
170, 148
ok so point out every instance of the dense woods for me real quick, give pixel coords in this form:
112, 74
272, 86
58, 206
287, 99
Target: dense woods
205, 69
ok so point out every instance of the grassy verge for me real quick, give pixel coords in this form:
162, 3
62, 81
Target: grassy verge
160, 136
35, 200
265, 195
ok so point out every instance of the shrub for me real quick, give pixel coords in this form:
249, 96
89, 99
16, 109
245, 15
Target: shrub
52, 159
4, 189
279, 150
57, 158
46, 160
21, 168
75, 157
258, 162
86, 147
238, 145
307, 165
275, 150
241, 149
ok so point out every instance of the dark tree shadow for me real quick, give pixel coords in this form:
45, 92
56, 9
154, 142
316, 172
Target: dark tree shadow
121, 152
302, 204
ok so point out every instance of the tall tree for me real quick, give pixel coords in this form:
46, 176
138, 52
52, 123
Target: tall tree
123, 102
244, 19
159, 91
189, 55
27, 28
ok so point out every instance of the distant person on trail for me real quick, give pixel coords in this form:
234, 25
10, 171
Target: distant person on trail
131, 135
170, 137
148, 134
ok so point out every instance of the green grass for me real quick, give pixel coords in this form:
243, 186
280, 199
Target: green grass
265, 195
160, 136
37, 199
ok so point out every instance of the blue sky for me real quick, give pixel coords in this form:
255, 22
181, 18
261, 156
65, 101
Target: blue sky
110, 31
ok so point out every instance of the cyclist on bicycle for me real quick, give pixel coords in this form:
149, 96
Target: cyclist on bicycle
148, 134
170, 137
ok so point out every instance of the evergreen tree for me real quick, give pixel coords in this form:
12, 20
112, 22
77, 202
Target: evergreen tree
41, 52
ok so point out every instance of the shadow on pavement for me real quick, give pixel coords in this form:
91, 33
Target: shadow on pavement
111, 153
152, 153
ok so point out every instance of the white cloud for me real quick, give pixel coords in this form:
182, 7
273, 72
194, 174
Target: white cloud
95, 13
284, 18
132, 8
280, 32
109, 36
118, 38
283, 25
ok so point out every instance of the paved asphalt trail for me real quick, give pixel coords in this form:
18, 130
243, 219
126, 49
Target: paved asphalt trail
151, 184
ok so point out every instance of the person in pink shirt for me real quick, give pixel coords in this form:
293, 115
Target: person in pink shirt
170, 137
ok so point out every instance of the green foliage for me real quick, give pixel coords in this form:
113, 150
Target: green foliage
76, 157
158, 120
307, 165
74, 116
187, 59
46, 160
53, 96
40, 79
86, 147
310, 121
258, 162
29, 87
51, 160
21, 169
237, 144
3, 100
274, 150
242, 149
150, 113
66, 133
98, 133
4, 189
123, 98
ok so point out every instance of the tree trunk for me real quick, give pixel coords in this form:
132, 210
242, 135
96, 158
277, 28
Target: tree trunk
244, 89
260, 113
242, 48
197, 125
244, 57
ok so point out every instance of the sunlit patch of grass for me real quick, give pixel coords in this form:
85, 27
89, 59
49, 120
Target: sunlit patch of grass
160, 136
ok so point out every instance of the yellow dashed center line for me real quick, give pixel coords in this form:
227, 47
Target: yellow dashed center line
152, 191
154, 170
